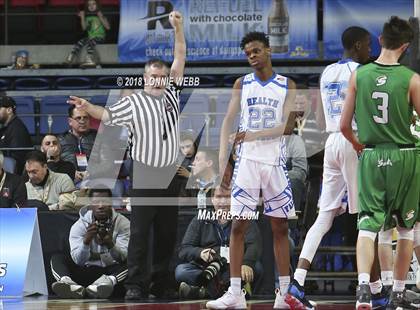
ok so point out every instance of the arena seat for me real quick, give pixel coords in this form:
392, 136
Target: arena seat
313, 81
110, 2
208, 81
54, 105
107, 82
196, 103
103, 100
66, 2
9, 164
4, 84
16, 3
25, 105
32, 83
73, 82
229, 80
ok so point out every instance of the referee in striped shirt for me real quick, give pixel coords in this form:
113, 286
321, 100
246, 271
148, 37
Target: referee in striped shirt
152, 118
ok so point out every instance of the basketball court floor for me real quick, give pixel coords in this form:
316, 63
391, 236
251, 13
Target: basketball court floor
44, 303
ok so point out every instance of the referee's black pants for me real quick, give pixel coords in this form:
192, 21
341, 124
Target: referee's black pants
163, 219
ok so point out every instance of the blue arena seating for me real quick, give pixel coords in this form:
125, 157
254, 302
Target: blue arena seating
32, 83
197, 103
107, 82
54, 105
4, 84
25, 105
73, 82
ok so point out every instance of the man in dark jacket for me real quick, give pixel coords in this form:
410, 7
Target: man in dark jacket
13, 133
206, 243
77, 143
12, 188
51, 147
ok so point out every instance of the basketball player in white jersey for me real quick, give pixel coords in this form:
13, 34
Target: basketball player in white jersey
262, 98
340, 159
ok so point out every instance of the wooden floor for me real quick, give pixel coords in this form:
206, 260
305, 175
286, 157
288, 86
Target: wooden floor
43, 303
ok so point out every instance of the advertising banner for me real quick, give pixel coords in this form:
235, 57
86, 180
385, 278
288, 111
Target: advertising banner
22, 270
214, 28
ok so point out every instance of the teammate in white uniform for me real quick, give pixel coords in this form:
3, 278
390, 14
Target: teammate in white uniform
263, 98
340, 159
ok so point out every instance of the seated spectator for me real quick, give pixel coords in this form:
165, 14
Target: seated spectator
188, 149
14, 133
95, 24
12, 188
21, 61
297, 167
98, 251
204, 169
297, 163
206, 242
77, 143
52, 149
45, 185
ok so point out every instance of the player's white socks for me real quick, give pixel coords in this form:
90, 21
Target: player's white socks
300, 276
284, 282
364, 278
375, 287
399, 286
235, 285
387, 277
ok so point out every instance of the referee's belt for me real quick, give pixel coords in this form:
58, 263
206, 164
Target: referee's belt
384, 145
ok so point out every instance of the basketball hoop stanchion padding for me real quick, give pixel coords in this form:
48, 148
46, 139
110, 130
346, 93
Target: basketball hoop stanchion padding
22, 271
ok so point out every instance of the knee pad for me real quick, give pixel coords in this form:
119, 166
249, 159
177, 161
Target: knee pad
405, 233
368, 234
416, 235
385, 237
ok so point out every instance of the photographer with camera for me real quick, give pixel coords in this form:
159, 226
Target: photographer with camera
98, 248
204, 253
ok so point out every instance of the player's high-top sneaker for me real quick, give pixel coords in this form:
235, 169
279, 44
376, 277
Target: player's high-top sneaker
399, 300
228, 301
363, 297
295, 297
279, 303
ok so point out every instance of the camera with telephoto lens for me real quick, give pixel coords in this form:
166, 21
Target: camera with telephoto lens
219, 264
104, 227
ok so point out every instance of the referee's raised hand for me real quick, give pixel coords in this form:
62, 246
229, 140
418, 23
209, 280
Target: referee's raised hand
80, 103
175, 18
94, 111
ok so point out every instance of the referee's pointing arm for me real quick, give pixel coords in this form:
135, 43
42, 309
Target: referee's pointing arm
94, 111
177, 69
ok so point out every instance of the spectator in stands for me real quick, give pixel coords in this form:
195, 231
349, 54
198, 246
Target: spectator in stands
14, 133
12, 188
204, 169
77, 143
98, 250
45, 185
52, 149
188, 149
297, 163
20, 61
95, 24
207, 241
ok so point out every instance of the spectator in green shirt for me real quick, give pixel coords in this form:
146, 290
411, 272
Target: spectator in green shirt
95, 24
